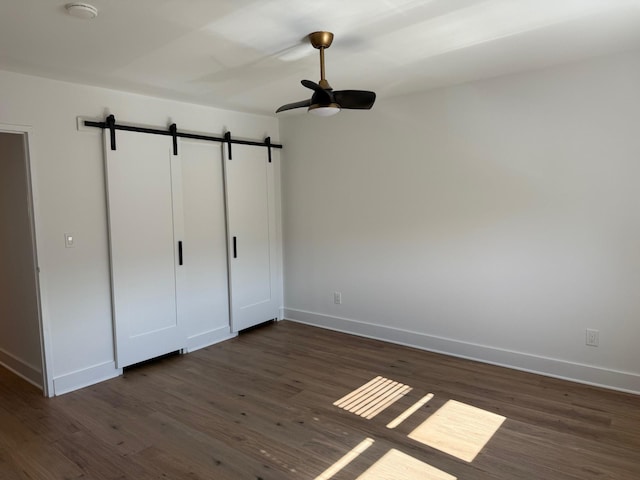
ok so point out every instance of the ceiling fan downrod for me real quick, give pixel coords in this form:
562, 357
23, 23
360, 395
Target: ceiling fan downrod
321, 41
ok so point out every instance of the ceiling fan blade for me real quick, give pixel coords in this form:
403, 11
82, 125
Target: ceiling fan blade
291, 106
355, 99
312, 85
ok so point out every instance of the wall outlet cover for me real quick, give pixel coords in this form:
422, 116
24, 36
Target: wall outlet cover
593, 337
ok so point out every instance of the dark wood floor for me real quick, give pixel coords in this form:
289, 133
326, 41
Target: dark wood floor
261, 407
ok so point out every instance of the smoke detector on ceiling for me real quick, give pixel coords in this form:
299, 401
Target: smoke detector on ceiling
81, 10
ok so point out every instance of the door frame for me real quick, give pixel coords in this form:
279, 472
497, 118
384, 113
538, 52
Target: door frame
36, 246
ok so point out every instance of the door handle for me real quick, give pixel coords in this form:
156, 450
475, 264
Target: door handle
235, 247
180, 252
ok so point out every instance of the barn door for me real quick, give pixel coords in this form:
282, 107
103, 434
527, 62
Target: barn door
206, 305
251, 236
146, 231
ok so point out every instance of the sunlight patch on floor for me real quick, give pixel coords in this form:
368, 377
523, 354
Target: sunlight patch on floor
345, 460
458, 429
409, 411
396, 465
373, 397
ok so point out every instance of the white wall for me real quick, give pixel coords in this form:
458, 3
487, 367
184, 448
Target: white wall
495, 220
70, 197
19, 322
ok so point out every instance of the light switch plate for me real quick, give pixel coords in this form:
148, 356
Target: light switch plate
69, 240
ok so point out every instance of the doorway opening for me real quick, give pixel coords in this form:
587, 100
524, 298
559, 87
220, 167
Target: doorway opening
21, 333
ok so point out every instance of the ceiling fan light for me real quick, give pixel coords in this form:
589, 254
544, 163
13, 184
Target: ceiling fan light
324, 110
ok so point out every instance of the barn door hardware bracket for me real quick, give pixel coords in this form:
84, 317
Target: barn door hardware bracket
111, 125
267, 142
227, 138
173, 128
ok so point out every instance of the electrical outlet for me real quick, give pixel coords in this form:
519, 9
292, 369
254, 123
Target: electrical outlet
337, 298
593, 337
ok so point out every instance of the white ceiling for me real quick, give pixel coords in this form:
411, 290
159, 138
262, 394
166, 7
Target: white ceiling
250, 55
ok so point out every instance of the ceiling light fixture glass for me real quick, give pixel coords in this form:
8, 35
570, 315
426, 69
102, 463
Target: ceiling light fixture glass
81, 10
325, 110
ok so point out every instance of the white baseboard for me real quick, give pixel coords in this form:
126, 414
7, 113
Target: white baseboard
576, 372
210, 337
85, 377
22, 368
105, 371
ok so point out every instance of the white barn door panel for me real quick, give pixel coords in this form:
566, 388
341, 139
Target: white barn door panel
145, 222
251, 236
206, 302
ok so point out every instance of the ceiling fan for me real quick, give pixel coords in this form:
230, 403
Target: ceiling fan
326, 101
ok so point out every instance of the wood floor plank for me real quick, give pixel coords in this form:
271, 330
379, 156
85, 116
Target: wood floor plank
260, 407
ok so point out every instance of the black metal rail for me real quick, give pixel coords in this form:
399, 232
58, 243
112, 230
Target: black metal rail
111, 124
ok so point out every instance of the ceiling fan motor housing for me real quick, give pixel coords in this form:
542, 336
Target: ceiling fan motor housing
321, 39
